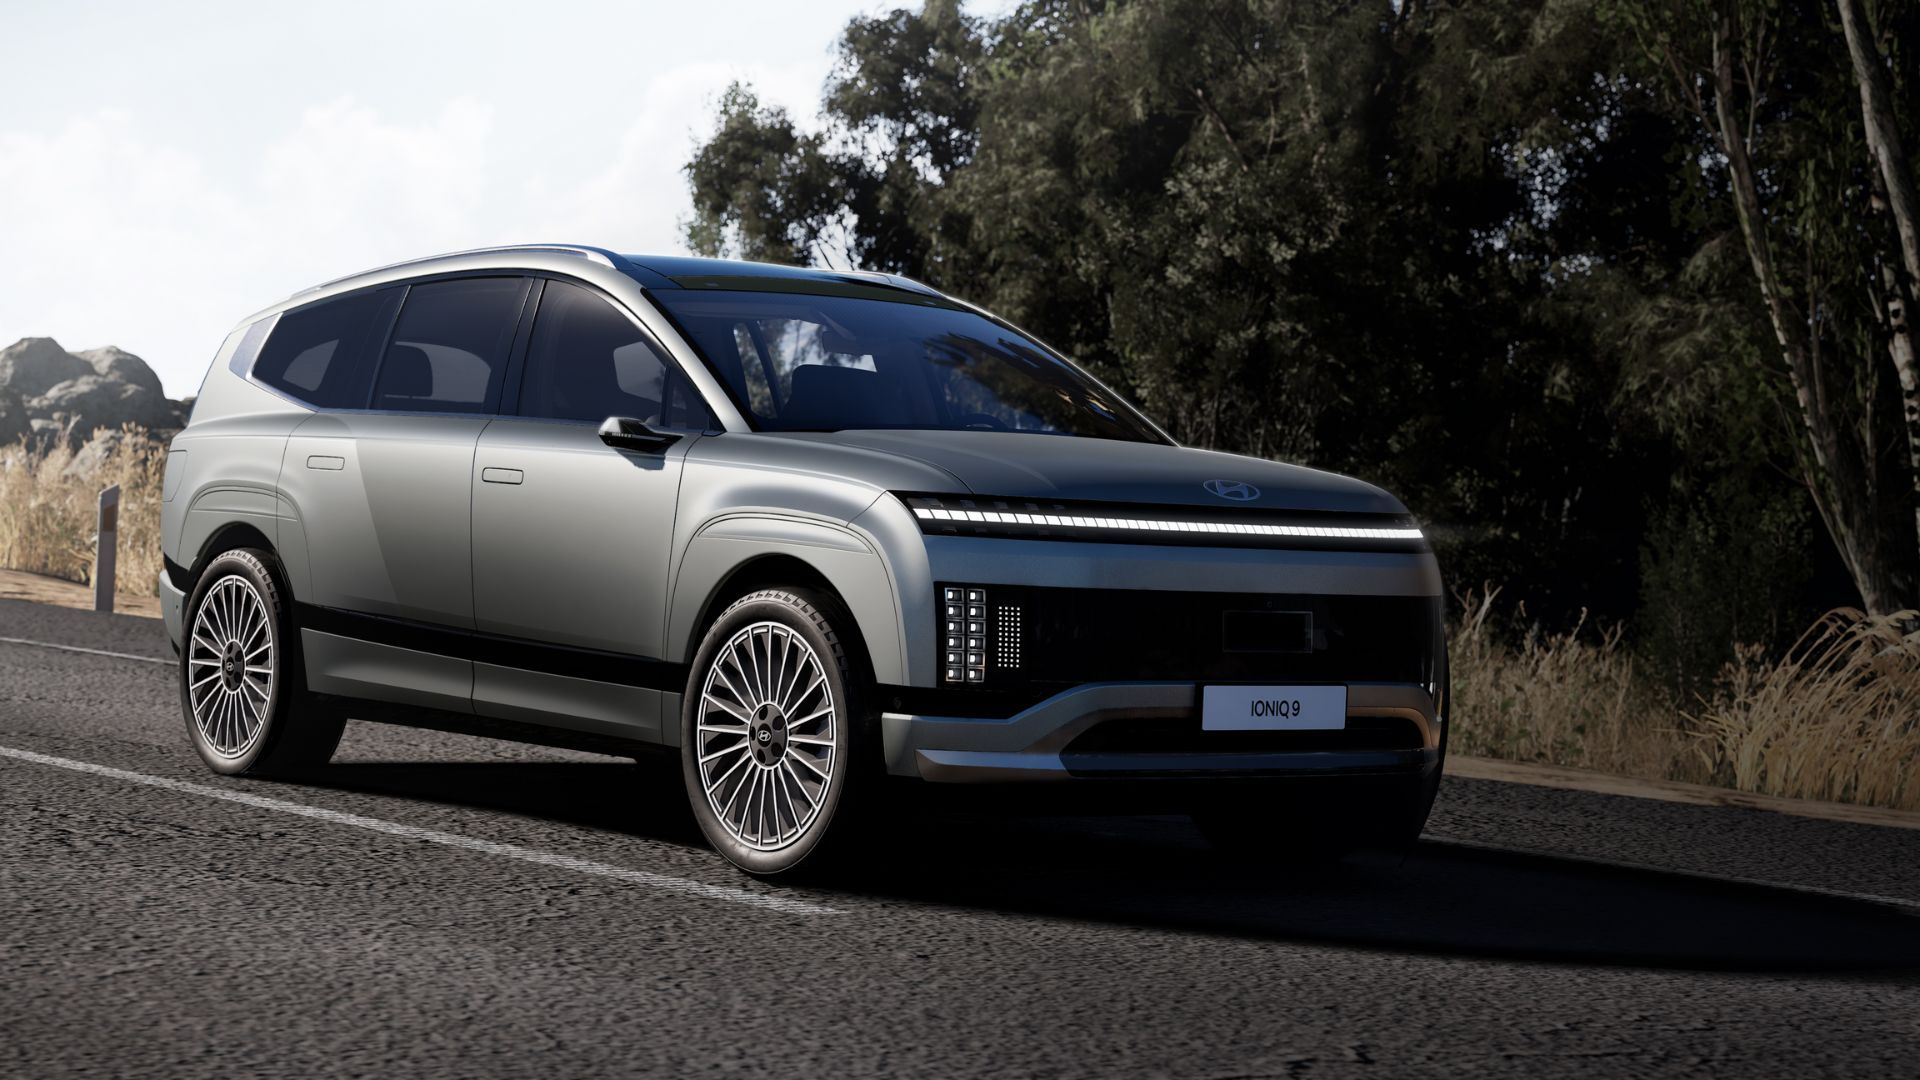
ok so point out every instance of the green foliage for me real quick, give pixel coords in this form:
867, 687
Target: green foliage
1477, 253
761, 189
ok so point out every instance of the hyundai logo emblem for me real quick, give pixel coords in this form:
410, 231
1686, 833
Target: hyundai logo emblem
1233, 489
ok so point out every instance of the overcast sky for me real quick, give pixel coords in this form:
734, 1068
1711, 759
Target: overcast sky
167, 169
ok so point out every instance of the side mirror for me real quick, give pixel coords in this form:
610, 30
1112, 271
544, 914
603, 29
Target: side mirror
626, 433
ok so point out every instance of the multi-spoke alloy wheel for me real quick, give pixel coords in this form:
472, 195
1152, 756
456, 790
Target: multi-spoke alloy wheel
231, 657
778, 755
768, 732
242, 676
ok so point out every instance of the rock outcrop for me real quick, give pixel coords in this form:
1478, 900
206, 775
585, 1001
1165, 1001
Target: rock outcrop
120, 365
15, 424
48, 394
32, 366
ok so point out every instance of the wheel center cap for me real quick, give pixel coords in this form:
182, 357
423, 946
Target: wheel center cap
231, 668
768, 735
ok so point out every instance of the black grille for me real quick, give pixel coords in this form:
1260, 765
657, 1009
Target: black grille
1043, 640
1090, 635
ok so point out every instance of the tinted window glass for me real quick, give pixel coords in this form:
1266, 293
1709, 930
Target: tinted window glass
449, 349
588, 361
812, 362
321, 354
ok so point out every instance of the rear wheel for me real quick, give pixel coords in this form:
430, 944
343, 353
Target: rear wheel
241, 682
773, 731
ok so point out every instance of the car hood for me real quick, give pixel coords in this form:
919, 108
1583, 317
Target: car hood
1028, 466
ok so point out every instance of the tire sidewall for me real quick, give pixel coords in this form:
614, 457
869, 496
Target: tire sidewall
787, 607
254, 570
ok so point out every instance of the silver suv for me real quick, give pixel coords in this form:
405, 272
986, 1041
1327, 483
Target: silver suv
808, 530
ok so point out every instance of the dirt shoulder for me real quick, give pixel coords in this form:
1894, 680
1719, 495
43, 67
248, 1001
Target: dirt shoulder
40, 589
1556, 776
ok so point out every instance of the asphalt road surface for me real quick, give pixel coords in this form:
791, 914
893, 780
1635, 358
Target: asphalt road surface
437, 905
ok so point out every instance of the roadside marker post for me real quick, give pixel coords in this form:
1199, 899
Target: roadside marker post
105, 547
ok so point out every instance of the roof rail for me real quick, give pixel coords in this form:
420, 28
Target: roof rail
602, 256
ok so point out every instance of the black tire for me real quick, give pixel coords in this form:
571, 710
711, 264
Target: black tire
279, 730
821, 795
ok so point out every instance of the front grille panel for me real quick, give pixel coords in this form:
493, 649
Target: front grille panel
1098, 635
1042, 640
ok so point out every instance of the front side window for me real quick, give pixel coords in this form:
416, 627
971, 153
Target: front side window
321, 355
804, 362
588, 361
449, 349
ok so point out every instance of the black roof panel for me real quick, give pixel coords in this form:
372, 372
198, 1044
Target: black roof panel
690, 272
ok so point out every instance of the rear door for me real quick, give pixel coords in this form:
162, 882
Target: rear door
571, 537
382, 494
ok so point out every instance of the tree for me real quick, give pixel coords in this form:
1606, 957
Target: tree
1764, 81
761, 189
901, 105
1882, 130
1472, 252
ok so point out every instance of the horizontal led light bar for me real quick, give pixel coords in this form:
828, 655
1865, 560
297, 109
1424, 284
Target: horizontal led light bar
1161, 524
1240, 528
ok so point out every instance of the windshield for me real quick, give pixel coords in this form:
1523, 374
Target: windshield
800, 362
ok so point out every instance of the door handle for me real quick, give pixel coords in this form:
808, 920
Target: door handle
500, 476
327, 462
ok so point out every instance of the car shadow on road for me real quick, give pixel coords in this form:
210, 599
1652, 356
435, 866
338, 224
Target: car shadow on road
1157, 872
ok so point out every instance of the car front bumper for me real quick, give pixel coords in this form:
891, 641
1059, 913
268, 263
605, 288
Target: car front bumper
1037, 745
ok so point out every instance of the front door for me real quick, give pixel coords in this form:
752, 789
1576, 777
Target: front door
571, 537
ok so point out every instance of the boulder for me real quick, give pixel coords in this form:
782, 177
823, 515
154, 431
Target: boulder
93, 401
15, 423
65, 396
45, 434
32, 366
90, 457
113, 362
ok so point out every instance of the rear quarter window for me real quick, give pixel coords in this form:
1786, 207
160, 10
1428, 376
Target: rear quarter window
322, 354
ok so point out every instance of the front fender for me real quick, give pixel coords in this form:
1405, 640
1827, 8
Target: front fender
729, 544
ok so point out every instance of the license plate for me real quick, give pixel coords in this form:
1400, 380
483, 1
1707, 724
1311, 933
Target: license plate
1273, 708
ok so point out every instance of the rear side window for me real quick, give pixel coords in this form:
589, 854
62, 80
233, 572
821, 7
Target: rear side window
449, 349
322, 355
588, 361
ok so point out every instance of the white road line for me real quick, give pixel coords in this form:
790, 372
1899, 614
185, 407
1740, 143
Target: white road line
1672, 871
90, 652
643, 878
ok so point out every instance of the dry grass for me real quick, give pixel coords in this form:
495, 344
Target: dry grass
48, 510
1569, 698
1836, 718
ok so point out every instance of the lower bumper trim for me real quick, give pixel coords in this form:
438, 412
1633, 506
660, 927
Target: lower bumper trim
991, 767
1036, 744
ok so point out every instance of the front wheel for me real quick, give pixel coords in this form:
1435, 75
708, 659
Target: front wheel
241, 683
771, 731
